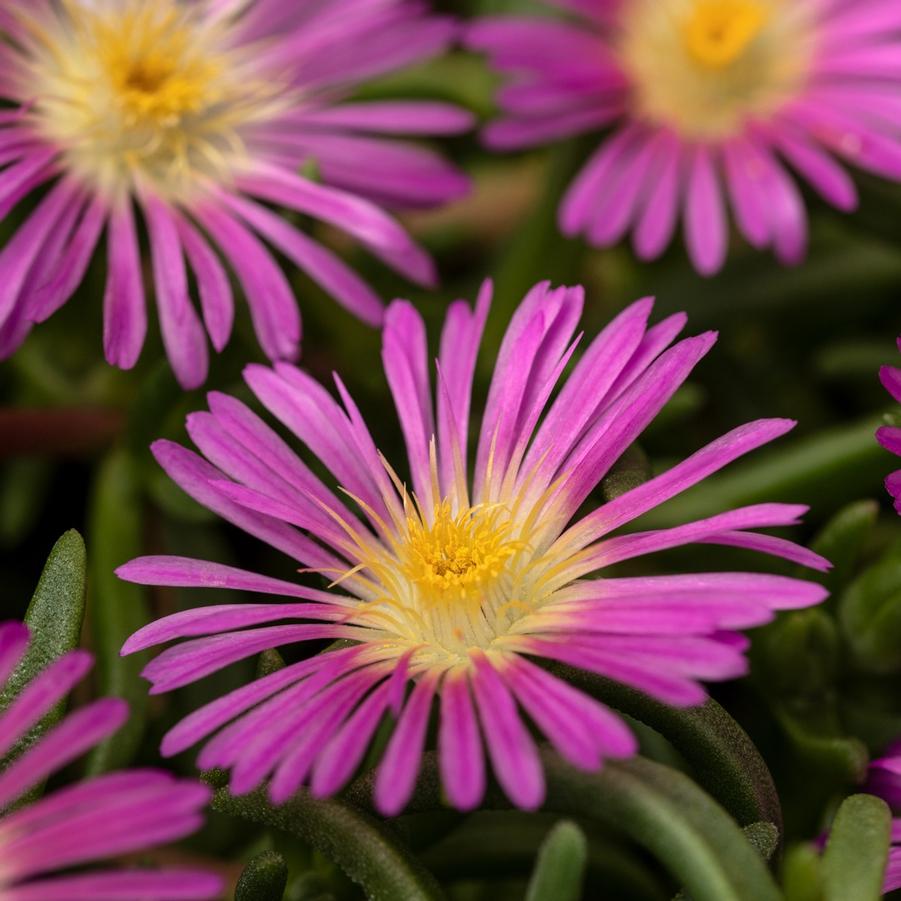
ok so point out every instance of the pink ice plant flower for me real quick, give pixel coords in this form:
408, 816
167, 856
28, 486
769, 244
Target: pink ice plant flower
460, 582
107, 816
199, 116
704, 104
889, 436
884, 780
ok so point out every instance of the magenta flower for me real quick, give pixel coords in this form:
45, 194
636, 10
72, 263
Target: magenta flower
705, 100
890, 436
199, 114
884, 780
459, 583
107, 816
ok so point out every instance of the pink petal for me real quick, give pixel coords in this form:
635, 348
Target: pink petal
460, 757
514, 756
706, 230
397, 772
183, 333
66, 741
124, 309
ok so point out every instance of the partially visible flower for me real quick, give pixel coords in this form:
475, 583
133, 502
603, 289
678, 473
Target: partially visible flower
460, 581
705, 100
199, 113
890, 436
104, 817
884, 780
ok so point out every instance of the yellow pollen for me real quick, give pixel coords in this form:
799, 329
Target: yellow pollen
457, 556
151, 84
717, 32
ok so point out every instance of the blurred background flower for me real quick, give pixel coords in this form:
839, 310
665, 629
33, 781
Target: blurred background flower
198, 114
705, 99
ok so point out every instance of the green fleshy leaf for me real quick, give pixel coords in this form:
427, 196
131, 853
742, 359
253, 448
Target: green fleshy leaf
54, 617
263, 879
841, 541
856, 853
658, 807
725, 760
764, 838
799, 654
802, 878
631, 470
560, 868
870, 614
270, 661
667, 813
117, 608
489, 844
821, 749
368, 852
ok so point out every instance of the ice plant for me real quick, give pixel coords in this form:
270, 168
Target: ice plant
889, 436
106, 816
197, 115
459, 582
703, 101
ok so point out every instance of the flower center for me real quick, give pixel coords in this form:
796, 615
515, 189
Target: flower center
451, 581
707, 67
456, 559
144, 93
717, 32
159, 84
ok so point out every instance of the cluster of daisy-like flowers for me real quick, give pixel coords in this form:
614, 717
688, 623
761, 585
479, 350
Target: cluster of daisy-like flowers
459, 583
106, 816
889, 436
705, 101
199, 115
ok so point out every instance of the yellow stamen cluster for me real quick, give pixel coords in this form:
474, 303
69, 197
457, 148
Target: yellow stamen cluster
449, 579
144, 93
153, 69
717, 32
454, 558
705, 68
